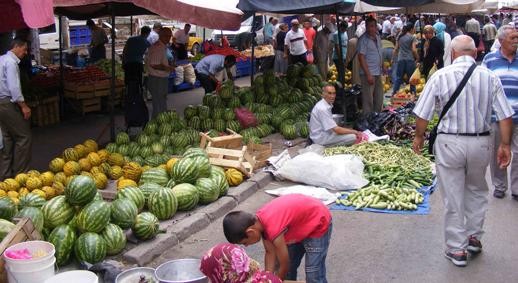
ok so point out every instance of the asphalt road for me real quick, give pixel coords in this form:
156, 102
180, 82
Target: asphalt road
374, 247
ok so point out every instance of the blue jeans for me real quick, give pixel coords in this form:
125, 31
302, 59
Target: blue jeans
316, 252
404, 67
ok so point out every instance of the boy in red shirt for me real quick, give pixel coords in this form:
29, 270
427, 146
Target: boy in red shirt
290, 226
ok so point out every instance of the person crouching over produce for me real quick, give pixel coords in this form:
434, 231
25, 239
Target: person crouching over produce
290, 226
463, 144
323, 129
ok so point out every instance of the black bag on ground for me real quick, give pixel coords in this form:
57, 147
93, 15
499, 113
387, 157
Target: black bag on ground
136, 113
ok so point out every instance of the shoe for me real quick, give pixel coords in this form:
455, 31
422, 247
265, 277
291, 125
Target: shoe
458, 258
498, 194
515, 197
474, 245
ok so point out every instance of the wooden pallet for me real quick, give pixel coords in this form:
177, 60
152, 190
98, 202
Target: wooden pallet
24, 231
261, 152
232, 141
86, 90
84, 106
46, 112
232, 158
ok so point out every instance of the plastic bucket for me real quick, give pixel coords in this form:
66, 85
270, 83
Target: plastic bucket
181, 271
76, 276
31, 275
30, 264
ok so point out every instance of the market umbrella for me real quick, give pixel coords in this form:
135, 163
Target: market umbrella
20, 14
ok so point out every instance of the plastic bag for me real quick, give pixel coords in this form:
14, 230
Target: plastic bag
312, 191
309, 57
245, 117
178, 79
416, 76
337, 172
188, 73
432, 70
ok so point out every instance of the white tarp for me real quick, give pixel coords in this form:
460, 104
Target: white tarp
448, 7
362, 7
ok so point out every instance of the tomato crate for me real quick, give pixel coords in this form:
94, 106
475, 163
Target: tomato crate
84, 106
231, 140
87, 89
45, 112
239, 159
261, 152
23, 231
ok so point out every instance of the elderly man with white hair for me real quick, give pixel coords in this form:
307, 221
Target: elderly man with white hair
504, 63
463, 145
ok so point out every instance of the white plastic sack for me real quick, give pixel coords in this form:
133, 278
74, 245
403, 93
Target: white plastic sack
316, 192
337, 172
179, 75
188, 72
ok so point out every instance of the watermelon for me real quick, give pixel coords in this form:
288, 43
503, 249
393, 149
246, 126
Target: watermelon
217, 174
201, 159
203, 112
149, 188
195, 122
207, 189
189, 112
187, 196
155, 175
81, 190
219, 125
146, 151
234, 126
165, 140
123, 212
122, 138
185, 170
5, 228
111, 147
34, 214
179, 140
114, 238
206, 124
57, 211
135, 195
94, 217
234, 102
163, 204
90, 247
163, 118
157, 147
165, 129
7, 208
151, 128
63, 238
146, 226
227, 89
170, 184
143, 139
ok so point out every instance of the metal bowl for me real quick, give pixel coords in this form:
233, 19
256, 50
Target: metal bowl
339, 119
185, 270
133, 275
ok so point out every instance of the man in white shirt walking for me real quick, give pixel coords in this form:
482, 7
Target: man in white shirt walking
296, 44
180, 41
472, 28
463, 145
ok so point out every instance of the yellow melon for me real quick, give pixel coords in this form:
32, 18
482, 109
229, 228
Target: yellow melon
71, 168
115, 172
12, 185
94, 159
59, 187
124, 183
13, 194
40, 193
50, 192
103, 154
2, 193
23, 191
56, 164
47, 178
60, 177
81, 150
33, 183
33, 173
85, 164
91, 145
234, 176
100, 181
132, 170
21, 179
170, 163
116, 159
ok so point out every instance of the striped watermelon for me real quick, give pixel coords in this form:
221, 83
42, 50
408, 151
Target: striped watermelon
165, 129
195, 123
90, 247
123, 212
114, 238
143, 139
187, 196
163, 204
207, 189
133, 194
31, 200
189, 112
34, 214
170, 184
146, 226
149, 188
234, 126
179, 140
206, 124
7, 208
57, 211
203, 112
201, 159
163, 118
122, 138
185, 170
229, 115
154, 175
94, 217
81, 190
217, 174
63, 238
219, 125
70, 154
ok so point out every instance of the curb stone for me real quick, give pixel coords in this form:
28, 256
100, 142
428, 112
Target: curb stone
145, 252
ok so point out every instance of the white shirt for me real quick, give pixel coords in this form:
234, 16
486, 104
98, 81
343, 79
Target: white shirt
156, 55
152, 37
473, 26
471, 112
321, 123
447, 49
181, 37
295, 42
387, 27
10, 86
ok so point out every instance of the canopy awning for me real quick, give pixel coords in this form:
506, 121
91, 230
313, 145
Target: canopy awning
20, 14
297, 6
221, 14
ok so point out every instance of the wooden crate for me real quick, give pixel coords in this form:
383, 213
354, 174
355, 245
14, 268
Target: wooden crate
239, 159
398, 102
232, 141
84, 106
118, 100
261, 152
24, 231
46, 112
88, 89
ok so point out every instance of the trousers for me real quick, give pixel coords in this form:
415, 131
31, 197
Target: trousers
17, 139
461, 165
499, 176
158, 88
372, 95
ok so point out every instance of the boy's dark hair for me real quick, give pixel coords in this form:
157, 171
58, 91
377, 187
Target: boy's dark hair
230, 60
235, 224
18, 42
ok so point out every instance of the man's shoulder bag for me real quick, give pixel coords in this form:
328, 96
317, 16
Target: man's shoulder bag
433, 133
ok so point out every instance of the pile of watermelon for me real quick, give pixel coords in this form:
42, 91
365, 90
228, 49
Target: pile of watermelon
279, 104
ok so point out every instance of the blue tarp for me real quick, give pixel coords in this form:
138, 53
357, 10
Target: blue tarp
422, 209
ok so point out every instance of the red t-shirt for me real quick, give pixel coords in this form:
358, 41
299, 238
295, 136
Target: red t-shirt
310, 36
297, 215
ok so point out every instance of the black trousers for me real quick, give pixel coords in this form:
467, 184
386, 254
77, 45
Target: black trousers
294, 59
133, 73
206, 82
181, 52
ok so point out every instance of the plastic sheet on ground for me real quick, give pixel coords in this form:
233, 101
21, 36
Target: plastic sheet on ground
317, 192
422, 209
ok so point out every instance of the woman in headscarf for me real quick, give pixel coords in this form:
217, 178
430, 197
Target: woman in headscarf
440, 31
229, 263
431, 52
